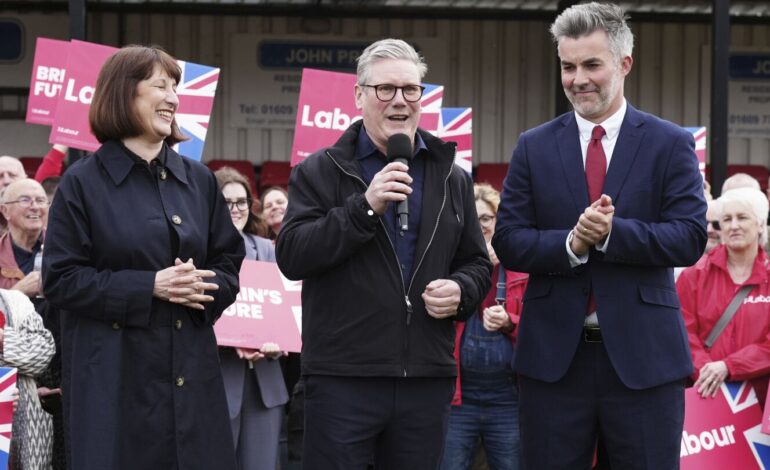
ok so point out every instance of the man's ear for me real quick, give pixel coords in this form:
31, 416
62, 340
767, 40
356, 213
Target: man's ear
359, 96
626, 64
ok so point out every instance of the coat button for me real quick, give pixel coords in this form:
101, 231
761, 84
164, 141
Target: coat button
180, 381
176, 219
178, 324
163, 173
116, 326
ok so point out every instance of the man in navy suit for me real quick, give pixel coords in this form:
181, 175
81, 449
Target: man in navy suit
599, 217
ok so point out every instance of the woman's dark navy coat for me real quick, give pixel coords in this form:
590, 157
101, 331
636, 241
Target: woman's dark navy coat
141, 378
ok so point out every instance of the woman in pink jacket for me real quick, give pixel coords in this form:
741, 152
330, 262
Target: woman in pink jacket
742, 350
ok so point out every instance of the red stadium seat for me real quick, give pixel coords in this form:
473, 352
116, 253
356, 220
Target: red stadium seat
244, 167
30, 165
274, 174
492, 173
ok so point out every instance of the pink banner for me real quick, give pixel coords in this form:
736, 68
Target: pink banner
268, 309
48, 79
327, 107
68, 100
70, 124
724, 432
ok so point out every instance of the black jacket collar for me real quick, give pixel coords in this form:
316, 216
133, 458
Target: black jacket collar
112, 155
439, 152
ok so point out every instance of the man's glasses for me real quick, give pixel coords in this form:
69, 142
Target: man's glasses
240, 204
387, 92
715, 225
27, 202
486, 220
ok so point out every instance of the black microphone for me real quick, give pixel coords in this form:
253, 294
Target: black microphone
400, 150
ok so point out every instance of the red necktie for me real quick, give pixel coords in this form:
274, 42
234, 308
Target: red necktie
596, 170
596, 165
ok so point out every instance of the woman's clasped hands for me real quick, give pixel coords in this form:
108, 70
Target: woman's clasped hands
184, 284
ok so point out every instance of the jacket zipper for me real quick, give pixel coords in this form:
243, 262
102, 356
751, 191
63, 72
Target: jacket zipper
392, 247
406, 290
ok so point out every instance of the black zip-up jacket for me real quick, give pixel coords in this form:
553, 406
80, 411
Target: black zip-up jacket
358, 317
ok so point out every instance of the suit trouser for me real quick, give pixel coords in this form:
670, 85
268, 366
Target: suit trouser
399, 423
256, 430
560, 422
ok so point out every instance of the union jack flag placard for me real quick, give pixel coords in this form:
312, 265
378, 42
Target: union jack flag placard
699, 134
456, 125
196, 91
724, 432
7, 386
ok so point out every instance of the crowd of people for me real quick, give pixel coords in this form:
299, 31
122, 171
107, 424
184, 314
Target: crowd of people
537, 327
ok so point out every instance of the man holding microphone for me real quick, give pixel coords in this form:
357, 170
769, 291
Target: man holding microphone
383, 281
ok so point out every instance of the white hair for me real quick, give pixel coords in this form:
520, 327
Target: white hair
740, 180
388, 49
581, 20
752, 198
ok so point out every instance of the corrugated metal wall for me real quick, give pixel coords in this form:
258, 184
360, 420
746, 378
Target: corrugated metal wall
505, 70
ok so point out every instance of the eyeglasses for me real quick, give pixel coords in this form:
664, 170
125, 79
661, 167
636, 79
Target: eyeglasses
386, 92
486, 220
715, 225
240, 204
26, 202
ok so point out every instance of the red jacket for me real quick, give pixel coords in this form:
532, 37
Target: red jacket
705, 290
515, 285
52, 165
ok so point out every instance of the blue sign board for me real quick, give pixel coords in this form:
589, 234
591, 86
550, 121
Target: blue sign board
748, 66
318, 55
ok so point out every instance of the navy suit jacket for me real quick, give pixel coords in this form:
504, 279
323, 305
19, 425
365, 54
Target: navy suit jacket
659, 222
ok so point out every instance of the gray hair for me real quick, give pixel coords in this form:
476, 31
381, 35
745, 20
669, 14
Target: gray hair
581, 20
388, 49
740, 180
754, 199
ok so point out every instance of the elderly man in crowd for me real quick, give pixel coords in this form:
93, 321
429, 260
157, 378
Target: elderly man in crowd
11, 170
25, 208
380, 299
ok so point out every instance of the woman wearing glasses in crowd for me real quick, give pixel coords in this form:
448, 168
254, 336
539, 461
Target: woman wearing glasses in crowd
485, 405
742, 350
253, 379
141, 258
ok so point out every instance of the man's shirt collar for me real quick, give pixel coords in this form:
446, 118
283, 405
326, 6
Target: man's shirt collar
611, 125
365, 147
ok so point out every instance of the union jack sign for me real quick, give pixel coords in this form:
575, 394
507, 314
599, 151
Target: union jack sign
724, 432
196, 91
699, 134
430, 107
456, 125
7, 386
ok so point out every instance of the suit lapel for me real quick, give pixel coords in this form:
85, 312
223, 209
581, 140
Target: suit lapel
568, 142
624, 154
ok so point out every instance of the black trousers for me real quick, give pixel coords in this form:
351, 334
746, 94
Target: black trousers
560, 422
398, 423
